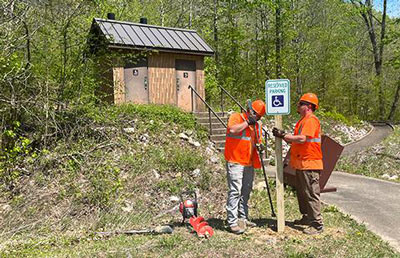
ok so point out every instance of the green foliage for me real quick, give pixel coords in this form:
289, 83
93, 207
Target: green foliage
334, 115
18, 148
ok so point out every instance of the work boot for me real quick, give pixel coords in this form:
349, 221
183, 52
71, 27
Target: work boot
303, 221
313, 230
236, 230
247, 223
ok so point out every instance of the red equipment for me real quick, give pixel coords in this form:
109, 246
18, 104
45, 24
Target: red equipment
188, 209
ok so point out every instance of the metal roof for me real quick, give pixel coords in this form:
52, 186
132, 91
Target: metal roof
144, 36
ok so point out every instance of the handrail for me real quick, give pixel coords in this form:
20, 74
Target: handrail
234, 100
237, 103
209, 108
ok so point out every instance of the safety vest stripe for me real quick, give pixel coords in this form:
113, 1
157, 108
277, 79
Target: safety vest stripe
239, 137
314, 140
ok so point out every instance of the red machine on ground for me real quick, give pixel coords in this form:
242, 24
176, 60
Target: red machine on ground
188, 209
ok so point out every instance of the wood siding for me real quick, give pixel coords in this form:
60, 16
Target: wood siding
119, 85
162, 78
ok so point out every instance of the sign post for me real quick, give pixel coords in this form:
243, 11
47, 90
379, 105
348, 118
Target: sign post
277, 97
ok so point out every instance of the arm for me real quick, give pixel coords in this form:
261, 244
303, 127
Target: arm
295, 138
238, 127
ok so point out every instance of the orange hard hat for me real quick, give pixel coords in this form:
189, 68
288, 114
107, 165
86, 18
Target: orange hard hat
310, 98
259, 107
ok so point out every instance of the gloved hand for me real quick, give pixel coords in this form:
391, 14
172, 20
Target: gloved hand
251, 120
278, 132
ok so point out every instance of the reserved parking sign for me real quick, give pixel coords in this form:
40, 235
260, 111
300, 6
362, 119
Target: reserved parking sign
277, 96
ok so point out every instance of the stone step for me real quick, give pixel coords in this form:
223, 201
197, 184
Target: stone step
213, 120
218, 137
213, 126
218, 131
205, 114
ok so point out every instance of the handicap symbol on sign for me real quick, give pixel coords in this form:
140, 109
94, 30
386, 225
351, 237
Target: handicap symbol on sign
277, 101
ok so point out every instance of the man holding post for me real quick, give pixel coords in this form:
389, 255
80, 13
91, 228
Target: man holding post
242, 135
306, 159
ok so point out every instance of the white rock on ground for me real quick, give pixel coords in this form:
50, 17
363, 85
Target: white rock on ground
196, 172
129, 130
183, 136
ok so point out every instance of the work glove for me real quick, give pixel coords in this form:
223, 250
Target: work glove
251, 120
278, 132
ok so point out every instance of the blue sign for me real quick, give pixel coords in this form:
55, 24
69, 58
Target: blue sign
277, 101
277, 97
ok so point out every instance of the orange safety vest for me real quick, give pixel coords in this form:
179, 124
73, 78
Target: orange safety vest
308, 155
240, 147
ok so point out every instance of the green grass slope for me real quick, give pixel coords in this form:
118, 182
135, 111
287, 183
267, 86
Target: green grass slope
122, 168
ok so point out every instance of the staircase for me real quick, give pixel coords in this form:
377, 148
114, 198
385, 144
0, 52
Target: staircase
218, 130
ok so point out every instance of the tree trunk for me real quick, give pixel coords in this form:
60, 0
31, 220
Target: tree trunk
395, 101
377, 48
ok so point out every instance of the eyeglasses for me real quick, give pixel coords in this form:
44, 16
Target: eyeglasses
302, 104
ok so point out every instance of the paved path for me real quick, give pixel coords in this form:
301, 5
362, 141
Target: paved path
375, 136
374, 202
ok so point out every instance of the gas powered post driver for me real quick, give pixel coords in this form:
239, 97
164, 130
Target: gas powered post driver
188, 209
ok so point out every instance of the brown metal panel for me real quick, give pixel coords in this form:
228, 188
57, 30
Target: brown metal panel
185, 76
136, 85
331, 151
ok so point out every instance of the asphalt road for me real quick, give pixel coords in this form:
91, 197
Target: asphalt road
374, 202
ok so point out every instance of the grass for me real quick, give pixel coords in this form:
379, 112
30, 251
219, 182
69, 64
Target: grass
104, 179
343, 237
377, 160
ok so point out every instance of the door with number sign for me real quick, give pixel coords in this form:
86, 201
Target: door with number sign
136, 83
185, 76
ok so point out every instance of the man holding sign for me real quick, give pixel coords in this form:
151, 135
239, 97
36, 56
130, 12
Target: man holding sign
306, 159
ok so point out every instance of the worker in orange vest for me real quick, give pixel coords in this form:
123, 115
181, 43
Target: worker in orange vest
306, 159
241, 158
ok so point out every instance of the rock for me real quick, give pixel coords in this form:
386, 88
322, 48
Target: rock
194, 143
394, 177
260, 186
214, 159
183, 136
144, 138
6, 208
156, 174
209, 151
129, 130
196, 172
385, 176
174, 198
189, 132
128, 207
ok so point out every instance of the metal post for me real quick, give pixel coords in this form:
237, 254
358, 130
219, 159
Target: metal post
222, 102
209, 120
191, 91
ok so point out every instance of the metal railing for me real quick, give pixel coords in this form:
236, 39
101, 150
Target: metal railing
242, 109
193, 91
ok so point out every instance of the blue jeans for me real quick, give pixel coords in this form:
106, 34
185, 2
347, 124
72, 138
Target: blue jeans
240, 184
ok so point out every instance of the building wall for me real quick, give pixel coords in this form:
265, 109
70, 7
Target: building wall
162, 78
